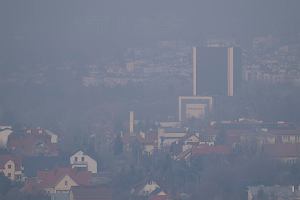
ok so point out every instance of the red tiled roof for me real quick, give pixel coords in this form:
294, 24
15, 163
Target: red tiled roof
5, 158
282, 150
27, 144
50, 178
206, 150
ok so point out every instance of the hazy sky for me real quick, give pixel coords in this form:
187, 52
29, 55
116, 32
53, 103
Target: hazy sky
59, 29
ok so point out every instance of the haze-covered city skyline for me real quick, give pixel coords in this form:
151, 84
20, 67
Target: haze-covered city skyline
149, 100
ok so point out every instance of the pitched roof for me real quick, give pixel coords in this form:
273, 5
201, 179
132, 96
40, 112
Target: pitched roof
86, 153
29, 144
91, 193
5, 158
51, 178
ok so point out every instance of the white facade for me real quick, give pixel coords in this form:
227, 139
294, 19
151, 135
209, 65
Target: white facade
82, 160
10, 171
4, 134
54, 137
167, 137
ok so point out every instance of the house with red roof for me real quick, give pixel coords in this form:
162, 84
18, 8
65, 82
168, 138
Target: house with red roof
11, 167
58, 181
33, 142
82, 160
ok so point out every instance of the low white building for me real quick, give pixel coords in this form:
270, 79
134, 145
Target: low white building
54, 137
167, 136
82, 160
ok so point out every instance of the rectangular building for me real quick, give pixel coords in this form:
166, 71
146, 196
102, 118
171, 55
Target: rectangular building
194, 107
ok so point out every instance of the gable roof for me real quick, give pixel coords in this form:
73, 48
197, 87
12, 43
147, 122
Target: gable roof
32, 145
5, 158
90, 154
49, 179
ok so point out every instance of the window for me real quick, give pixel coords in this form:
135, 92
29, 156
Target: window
76, 159
9, 166
9, 175
66, 183
82, 159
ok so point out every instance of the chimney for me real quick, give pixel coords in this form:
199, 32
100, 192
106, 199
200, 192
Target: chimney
131, 123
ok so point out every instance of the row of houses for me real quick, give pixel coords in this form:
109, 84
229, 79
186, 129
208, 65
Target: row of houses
278, 140
29, 141
59, 182
32, 158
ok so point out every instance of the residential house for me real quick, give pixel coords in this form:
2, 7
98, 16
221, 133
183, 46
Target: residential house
207, 138
190, 141
58, 182
41, 131
33, 143
81, 160
169, 135
286, 136
11, 167
90, 193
